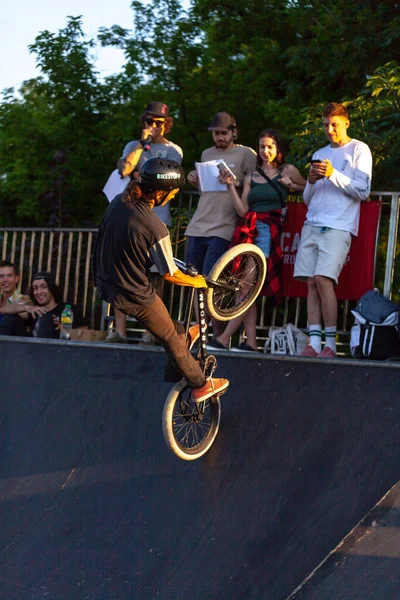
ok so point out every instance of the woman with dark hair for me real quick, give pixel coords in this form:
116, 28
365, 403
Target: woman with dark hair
260, 206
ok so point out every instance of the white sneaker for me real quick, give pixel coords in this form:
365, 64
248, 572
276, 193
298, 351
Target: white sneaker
147, 339
116, 338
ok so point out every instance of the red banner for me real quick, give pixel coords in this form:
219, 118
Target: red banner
357, 275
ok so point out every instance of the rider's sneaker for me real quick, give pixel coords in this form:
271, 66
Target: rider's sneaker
193, 335
214, 345
212, 387
244, 347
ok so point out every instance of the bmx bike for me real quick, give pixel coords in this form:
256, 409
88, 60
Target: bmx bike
190, 428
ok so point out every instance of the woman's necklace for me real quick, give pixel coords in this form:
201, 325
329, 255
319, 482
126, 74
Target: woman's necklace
272, 172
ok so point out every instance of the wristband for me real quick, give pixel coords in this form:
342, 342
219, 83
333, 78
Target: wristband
142, 143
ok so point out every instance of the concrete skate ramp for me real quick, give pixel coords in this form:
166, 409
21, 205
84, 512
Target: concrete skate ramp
366, 563
94, 506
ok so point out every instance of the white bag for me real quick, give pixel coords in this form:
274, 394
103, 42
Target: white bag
286, 340
355, 334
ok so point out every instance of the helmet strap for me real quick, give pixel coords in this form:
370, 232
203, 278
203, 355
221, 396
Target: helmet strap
169, 195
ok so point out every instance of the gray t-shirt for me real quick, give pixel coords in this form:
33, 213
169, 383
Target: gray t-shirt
166, 150
216, 214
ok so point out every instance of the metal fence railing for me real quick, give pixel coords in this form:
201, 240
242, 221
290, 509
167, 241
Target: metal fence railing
387, 272
64, 252
67, 252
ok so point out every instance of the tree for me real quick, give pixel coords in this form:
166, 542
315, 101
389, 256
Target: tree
57, 140
337, 44
271, 64
375, 119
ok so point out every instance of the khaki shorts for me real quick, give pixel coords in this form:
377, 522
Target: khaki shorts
321, 253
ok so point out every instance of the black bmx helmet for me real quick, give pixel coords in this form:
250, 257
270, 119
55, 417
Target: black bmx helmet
161, 174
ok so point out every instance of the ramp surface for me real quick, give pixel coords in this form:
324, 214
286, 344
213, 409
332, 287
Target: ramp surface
94, 506
366, 563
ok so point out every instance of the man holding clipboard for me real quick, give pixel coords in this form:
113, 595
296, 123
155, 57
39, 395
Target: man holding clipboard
210, 230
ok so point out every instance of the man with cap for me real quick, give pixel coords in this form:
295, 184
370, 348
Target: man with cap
210, 230
156, 124
45, 294
14, 306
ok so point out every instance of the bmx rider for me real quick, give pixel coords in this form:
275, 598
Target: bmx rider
131, 238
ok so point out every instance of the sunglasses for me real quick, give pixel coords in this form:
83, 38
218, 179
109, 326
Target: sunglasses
155, 122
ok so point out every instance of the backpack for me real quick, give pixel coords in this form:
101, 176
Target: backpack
375, 334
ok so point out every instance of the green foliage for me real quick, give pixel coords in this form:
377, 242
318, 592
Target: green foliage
375, 119
274, 63
338, 43
55, 141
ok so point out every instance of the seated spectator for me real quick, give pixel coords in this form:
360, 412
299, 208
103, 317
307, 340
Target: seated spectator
45, 294
42, 318
9, 279
15, 308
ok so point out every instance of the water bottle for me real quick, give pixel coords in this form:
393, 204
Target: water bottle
67, 318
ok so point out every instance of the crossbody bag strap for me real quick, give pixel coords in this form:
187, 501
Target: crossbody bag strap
278, 191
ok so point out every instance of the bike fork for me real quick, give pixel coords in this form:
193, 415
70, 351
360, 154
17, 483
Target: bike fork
208, 363
203, 326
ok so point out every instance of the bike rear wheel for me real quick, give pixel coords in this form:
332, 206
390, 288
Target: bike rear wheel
243, 269
189, 429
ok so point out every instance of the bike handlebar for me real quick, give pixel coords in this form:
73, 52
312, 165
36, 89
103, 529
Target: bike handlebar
186, 268
189, 269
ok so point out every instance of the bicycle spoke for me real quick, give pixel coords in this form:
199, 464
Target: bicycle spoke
247, 275
189, 426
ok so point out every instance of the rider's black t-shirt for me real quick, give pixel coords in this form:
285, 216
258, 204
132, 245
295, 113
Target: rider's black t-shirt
131, 238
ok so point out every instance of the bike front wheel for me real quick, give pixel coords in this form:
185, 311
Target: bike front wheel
189, 428
239, 275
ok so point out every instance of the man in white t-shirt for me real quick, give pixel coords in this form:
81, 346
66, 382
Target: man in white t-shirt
156, 123
210, 230
339, 179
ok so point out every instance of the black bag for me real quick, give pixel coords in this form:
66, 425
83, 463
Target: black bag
375, 335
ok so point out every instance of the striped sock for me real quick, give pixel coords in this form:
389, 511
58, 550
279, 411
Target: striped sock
314, 331
330, 338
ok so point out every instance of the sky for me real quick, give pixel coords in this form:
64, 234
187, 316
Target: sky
21, 21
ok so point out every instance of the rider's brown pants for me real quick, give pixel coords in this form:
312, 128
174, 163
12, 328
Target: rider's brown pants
156, 319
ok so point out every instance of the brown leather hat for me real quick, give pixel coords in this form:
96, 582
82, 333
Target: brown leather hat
222, 120
158, 109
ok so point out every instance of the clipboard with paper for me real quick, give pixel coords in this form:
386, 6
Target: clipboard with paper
115, 185
208, 174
